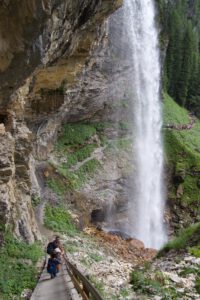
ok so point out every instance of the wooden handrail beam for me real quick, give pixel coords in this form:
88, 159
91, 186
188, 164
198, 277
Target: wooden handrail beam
86, 290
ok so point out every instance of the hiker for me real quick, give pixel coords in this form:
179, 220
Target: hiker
58, 256
53, 245
53, 265
57, 244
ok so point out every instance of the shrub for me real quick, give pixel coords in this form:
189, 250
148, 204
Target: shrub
195, 251
57, 186
58, 219
79, 155
75, 134
189, 236
197, 285
99, 285
15, 273
35, 201
189, 270
143, 284
96, 257
75, 179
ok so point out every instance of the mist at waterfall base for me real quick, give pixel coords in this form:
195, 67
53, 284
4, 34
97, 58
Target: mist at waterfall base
145, 217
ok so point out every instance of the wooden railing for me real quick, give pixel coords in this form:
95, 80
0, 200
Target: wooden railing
81, 283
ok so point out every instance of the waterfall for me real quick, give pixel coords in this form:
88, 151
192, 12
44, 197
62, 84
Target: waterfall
148, 196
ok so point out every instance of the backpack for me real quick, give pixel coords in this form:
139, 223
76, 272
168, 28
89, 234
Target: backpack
50, 248
51, 267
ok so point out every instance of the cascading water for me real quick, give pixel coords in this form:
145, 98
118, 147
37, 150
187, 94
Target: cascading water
148, 195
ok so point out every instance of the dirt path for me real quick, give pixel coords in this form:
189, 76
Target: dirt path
39, 215
180, 127
45, 194
97, 154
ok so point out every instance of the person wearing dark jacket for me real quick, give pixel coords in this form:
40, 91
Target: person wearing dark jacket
53, 266
54, 245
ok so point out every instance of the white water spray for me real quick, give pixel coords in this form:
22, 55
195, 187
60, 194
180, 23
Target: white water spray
143, 38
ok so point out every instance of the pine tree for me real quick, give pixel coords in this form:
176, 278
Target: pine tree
182, 84
174, 52
182, 57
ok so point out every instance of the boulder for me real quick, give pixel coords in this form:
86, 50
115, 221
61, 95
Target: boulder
136, 244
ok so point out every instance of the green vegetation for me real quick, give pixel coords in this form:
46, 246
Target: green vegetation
58, 219
96, 257
76, 145
173, 113
182, 150
89, 259
124, 293
35, 201
180, 22
99, 285
186, 238
75, 179
197, 285
71, 247
195, 251
57, 185
75, 134
79, 155
144, 284
120, 144
74, 149
189, 270
124, 125
18, 270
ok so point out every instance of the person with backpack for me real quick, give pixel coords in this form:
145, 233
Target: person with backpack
53, 265
53, 245
55, 250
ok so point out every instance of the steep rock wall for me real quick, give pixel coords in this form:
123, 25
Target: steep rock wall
44, 47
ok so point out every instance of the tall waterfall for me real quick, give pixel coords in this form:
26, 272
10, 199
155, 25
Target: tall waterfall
148, 195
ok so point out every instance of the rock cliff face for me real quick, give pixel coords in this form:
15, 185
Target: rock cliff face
101, 98
46, 49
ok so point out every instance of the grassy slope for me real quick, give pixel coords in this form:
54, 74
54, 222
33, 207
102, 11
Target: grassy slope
18, 267
73, 146
182, 150
186, 238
